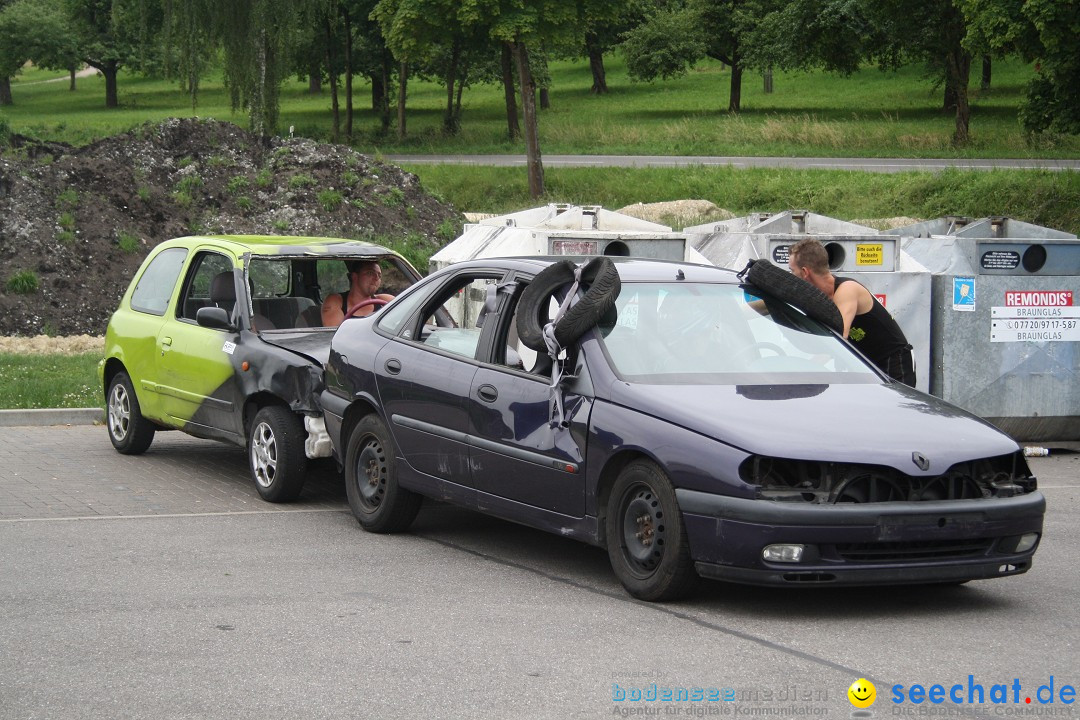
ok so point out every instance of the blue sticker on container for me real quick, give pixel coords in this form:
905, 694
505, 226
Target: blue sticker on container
963, 294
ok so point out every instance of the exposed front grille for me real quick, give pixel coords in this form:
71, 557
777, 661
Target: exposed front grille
921, 550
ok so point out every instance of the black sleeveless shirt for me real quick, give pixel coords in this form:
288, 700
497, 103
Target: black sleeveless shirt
875, 332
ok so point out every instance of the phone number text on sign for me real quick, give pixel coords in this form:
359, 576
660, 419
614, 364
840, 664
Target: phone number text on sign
1038, 324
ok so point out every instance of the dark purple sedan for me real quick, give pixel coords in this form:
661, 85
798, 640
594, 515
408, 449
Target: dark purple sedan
696, 427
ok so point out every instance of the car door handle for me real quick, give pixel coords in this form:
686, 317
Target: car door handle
166, 343
488, 393
393, 366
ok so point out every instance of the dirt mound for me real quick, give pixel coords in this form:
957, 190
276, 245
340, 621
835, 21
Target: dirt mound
677, 213
75, 223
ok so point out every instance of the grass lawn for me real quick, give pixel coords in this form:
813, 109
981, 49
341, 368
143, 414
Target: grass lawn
1041, 197
49, 381
871, 114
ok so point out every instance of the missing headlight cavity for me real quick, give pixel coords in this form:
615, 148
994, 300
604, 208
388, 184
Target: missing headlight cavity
809, 481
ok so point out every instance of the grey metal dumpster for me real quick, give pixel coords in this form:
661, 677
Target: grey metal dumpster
1005, 326
862, 253
560, 229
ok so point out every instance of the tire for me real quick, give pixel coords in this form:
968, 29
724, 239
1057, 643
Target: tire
129, 432
784, 286
601, 278
658, 565
276, 454
378, 503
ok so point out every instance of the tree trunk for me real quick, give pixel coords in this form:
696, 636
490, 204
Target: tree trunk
949, 101
335, 109
347, 27
545, 99
378, 90
985, 84
960, 68
5, 91
109, 71
513, 129
596, 64
463, 74
314, 77
384, 109
71, 72
450, 126
403, 79
528, 104
735, 100
768, 81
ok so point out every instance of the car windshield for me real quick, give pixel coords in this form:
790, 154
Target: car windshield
700, 333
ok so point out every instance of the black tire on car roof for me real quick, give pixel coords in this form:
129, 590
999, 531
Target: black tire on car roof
598, 275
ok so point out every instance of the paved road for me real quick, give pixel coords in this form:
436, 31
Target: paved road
865, 164
161, 587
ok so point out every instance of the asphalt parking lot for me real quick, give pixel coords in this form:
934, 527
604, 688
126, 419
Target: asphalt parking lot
161, 586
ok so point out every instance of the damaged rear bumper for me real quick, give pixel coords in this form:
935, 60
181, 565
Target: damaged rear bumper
861, 544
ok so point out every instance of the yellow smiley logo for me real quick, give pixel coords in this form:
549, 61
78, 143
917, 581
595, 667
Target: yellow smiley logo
862, 693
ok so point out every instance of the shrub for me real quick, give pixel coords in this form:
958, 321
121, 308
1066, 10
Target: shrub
447, 230
68, 199
264, 178
22, 282
281, 225
300, 180
350, 178
244, 203
65, 237
128, 242
237, 185
330, 200
66, 220
394, 198
144, 193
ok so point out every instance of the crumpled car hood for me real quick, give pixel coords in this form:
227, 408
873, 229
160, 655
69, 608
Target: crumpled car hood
312, 344
879, 424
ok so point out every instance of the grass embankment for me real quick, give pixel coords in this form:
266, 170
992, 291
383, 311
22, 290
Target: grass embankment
49, 381
871, 114
1041, 197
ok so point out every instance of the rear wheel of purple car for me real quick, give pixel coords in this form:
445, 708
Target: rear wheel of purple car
377, 501
646, 537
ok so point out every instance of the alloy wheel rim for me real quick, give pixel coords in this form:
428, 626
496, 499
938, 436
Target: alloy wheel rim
264, 457
644, 529
119, 412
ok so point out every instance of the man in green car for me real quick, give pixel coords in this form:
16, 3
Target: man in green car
365, 276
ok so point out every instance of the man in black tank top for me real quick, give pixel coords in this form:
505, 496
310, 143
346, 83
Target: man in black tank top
866, 321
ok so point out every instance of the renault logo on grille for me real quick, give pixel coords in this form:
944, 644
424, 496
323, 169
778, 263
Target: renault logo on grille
921, 460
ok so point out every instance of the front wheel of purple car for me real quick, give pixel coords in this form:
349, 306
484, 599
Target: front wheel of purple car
378, 503
646, 537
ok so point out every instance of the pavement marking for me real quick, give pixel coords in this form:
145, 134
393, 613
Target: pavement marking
172, 515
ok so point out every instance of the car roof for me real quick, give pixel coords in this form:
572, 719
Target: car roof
630, 269
286, 245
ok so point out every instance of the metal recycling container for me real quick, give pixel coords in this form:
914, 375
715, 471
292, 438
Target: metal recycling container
877, 261
1005, 324
560, 229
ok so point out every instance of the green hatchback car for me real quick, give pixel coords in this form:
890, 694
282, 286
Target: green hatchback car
222, 337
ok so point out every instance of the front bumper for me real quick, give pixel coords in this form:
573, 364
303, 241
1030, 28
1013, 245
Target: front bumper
860, 544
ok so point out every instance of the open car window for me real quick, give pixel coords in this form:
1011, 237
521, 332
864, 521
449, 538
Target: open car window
715, 333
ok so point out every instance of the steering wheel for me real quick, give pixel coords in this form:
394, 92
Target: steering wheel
378, 302
739, 356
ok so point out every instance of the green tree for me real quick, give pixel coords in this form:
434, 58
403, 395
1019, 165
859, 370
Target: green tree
31, 30
109, 34
677, 36
1041, 31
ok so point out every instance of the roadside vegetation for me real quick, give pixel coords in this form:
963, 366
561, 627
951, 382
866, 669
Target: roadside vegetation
49, 381
1042, 197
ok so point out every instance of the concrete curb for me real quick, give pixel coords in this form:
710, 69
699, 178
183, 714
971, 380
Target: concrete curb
52, 416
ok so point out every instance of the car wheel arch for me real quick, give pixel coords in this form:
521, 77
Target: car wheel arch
357, 411
256, 402
608, 475
112, 367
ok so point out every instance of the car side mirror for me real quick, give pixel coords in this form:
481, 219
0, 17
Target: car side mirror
214, 317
